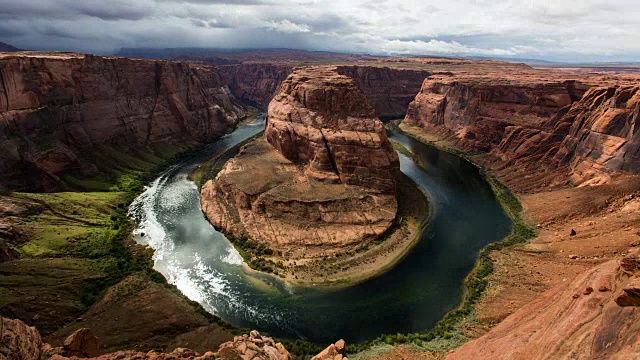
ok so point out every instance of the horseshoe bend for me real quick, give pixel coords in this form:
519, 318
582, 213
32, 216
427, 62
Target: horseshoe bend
318, 192
401, 198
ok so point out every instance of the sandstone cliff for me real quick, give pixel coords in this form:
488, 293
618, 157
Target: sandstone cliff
257, 82
56, 107
475, 111
594, 137
594, 316
323, 184
389, 91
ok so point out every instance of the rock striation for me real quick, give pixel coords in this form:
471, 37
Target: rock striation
474, 112
596, 316
322, 183
388, 90
319, 118
531, 123
595, 136
54, 108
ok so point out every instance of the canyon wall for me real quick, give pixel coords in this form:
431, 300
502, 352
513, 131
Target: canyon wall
389, 91
594, 137
535, 123
256, 82
474, 112
54, 108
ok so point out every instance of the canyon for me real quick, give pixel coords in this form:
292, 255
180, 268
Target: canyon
565, 141
321, 183
58, 110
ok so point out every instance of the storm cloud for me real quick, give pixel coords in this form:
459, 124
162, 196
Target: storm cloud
577, 31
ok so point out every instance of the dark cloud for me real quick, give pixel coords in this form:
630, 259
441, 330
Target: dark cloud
585, 30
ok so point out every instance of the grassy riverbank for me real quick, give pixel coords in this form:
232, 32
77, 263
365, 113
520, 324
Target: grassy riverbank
76, 245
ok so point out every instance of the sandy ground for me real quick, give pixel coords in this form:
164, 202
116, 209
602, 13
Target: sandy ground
606, 221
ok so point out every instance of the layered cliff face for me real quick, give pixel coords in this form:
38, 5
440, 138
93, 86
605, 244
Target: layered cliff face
321, 119
389, 91
324, 180
594, 137
474, 112
258, 82
56, 108
596, 316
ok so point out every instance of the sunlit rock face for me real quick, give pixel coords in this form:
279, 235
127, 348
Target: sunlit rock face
320, 119
323, 179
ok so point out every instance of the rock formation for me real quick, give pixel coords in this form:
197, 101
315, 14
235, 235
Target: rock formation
329, 187
475, 111
253, 346
389, 91
596, 316
332, 352
19, 341
56, 107
258, 83
535, 122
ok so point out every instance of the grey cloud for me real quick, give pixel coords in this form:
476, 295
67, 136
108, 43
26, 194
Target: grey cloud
587, 30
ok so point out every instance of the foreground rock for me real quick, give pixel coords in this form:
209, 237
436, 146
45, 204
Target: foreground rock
20, 341
322, 183
55, 109
594, 316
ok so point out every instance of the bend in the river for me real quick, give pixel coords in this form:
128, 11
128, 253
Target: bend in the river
410, 297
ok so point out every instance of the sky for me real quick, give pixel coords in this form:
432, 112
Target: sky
558, 30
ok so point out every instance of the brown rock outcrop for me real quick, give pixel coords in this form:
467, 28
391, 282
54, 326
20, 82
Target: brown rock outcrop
475, 111
253, 346
82, 343
19, 341
320, 118
56, 107
569, 321
327, 183
332, 352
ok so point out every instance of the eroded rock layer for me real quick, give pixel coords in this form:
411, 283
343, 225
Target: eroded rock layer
595, 136
324, 180
596, 316
319, 118
389, 91
475, 111
53, 107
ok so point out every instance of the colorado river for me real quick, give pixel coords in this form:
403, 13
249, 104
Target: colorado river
411, 297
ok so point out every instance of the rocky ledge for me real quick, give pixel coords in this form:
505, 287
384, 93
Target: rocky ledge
321, 183
596, 316
20, 341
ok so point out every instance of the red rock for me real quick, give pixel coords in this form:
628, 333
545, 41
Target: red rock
630, 295
82, 343
559, 326
319, 118
54, 107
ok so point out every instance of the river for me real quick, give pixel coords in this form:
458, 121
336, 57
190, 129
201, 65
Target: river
410, 297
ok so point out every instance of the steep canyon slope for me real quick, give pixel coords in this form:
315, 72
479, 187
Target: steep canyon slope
57, 108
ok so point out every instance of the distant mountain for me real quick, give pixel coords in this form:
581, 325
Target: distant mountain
8, 48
